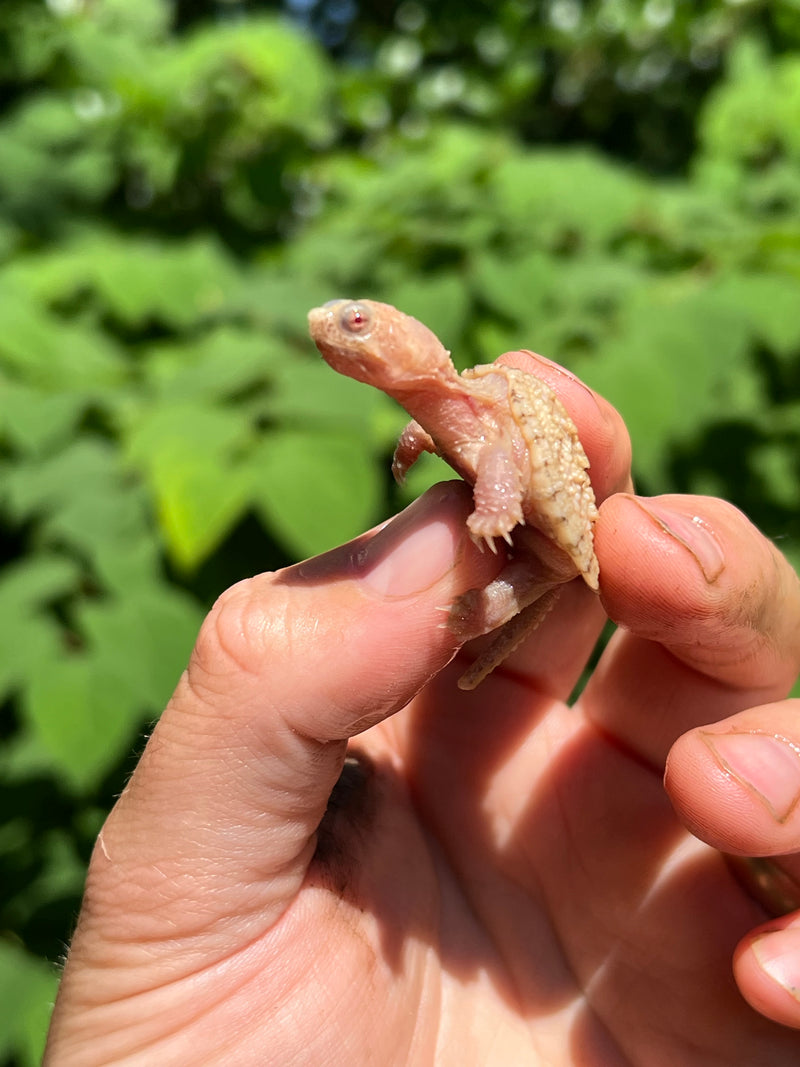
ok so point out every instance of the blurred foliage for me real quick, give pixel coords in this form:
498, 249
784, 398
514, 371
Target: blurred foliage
627, 75
614, 183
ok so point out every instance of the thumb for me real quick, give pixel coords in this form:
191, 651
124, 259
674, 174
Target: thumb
211, 839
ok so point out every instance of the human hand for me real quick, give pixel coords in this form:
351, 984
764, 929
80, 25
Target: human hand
499, 878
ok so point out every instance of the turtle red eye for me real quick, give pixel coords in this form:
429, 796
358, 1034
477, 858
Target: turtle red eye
355, 318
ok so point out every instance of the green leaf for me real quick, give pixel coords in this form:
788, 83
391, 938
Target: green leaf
567, 195
559, 307
49, 352
146, 636
269, 75
280, 298
83, 497
177, 284
754, 112
308, 391
46, 126
24, 756
32, 488
146, 21
34, 421
34, 38
220, 364
680, 357
191, 456
27, 991
778, 474
117, 46
770, 302
137, 280
28, 636
84, 713
316, 489
29, 583
510, 285
85, 705
427, 471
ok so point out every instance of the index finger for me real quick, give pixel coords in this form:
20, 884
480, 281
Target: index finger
711, 617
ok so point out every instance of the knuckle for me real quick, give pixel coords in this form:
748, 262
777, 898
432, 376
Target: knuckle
238, 634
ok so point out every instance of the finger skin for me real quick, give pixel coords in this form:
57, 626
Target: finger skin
710, 645
212, 838
736, 784
711, 629
709, 616
767, 969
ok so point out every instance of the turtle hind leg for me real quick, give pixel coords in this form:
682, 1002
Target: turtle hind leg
480, 611
508, 637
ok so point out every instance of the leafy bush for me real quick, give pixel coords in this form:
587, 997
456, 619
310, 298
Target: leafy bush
171, 204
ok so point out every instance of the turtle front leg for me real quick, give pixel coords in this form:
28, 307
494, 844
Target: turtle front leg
497, 495
413, 441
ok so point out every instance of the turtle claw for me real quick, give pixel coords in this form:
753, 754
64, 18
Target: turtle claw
477, 540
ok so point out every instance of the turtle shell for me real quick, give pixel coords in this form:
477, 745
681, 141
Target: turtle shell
558, 497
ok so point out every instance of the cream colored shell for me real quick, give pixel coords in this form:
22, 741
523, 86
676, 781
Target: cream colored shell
558, 497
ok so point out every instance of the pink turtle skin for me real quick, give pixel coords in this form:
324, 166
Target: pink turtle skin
506, 433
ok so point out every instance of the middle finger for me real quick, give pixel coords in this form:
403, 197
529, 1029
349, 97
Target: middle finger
711, 617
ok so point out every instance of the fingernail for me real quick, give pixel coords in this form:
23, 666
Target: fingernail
767, 765
414, 551
692, 532
778, 955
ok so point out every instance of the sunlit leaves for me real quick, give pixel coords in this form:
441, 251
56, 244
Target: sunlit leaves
27, 988
87, 707
316, 489
50, 352
172, 202
29, 633
441, 301
84, 716
568, 197
261, 75
770, 303
753, 120
188, 454
671, 368
135, 280
50, 159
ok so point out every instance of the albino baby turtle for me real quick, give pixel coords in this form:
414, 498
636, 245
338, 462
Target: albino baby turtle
506, 433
